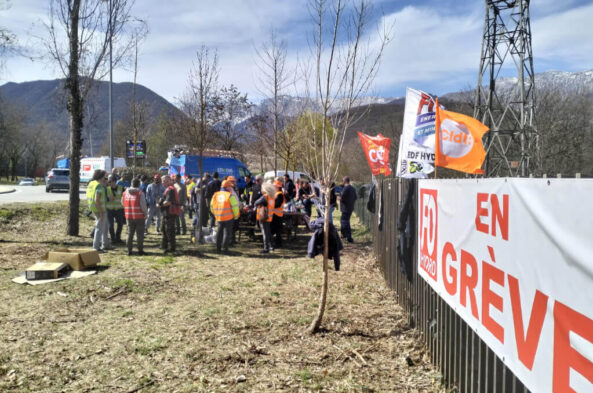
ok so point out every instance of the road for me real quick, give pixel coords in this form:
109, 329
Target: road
30, 194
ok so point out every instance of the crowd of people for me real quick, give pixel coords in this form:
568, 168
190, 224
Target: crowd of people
214, 205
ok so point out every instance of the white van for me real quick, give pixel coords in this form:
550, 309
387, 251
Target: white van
89, 164
269, 176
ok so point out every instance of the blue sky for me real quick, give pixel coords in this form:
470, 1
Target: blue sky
436, 45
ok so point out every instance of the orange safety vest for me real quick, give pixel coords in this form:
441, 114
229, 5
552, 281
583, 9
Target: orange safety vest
270, 201
221, 206
132, 207
175, 207
280, 210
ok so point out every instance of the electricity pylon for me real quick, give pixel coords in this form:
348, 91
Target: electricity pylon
507, 108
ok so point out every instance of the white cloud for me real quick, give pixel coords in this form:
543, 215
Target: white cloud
565, 37
432, 49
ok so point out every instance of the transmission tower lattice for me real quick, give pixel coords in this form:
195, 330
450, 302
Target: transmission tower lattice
507, 108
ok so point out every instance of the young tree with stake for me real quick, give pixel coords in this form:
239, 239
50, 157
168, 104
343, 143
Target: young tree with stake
344, 65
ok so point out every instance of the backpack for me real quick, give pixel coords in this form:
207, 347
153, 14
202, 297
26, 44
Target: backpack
262, 213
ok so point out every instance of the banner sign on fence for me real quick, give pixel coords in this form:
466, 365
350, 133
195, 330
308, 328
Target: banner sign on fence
376, 150
416, 145
514, 258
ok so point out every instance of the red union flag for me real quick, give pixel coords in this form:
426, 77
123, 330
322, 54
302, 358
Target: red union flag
376, 149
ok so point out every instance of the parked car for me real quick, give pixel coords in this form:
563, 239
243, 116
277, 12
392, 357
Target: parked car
27, 181
57, 179
269, 177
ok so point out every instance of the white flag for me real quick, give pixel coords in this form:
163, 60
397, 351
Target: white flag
416, 144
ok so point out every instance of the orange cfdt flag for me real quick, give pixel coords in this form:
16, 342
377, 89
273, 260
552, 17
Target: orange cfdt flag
459, 141
376, 150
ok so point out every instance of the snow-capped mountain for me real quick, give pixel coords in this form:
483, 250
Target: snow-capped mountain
291, 106
565, 81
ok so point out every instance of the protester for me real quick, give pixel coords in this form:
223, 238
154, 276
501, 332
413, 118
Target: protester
170, 210
115, 210
297, 186
212, 188
97, 198
144, 184
289, 188
265, 216
190, 184
278, 212
134, 203
125, 180
196, 200
225, 208
154, 192
180, 226
347, 198
306, 195
256, 192
248, 190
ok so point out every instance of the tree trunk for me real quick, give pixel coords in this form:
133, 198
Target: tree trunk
316, 324
201, 207
13, 164
76, 143
76, 115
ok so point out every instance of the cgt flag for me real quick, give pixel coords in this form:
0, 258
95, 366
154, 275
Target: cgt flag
376, 149
459, 142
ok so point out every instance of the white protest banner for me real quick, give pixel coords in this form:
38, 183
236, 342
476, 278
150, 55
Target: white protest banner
514, 258
416, 144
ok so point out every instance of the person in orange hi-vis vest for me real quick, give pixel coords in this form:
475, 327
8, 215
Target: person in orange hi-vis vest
225, 208
135, 210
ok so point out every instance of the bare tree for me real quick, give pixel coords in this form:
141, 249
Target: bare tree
273, 81
199, 105
344, 67
8, 41
12, 137
231, 107
291, 142
79, 35
259, 136
565, 125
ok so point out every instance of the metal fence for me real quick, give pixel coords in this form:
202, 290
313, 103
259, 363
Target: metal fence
464, 360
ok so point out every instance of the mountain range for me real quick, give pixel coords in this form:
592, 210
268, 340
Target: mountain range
44, 102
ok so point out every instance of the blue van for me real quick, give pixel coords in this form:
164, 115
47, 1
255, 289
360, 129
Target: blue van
189, 165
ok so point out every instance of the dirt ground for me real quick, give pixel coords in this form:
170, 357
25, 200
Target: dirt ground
199, 322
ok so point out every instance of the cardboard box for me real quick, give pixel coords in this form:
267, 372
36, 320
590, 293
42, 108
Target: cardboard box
46, 271
78, 259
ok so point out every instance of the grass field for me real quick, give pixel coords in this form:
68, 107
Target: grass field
199, 322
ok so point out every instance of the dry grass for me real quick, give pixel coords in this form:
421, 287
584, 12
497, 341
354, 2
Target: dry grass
199, 322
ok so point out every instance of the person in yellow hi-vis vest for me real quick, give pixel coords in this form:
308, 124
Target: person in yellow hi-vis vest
96, 195
225, 208
115, 210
